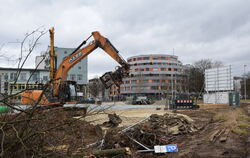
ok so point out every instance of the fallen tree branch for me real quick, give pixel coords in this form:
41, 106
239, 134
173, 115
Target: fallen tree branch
107, 152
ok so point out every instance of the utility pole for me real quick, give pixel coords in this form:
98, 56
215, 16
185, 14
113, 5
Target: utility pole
245, 87
172, 81
172, 86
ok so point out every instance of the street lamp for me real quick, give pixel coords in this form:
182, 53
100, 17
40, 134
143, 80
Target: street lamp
245, 87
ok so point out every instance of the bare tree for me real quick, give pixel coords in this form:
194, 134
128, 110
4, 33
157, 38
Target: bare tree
203, 64
38, 131
95, 87
247, 86
196, 74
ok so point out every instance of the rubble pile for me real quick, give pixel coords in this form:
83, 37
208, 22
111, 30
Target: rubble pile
157, 130
170, 124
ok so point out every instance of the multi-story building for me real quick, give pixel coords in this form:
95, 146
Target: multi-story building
41, 74
27, 77
154, 75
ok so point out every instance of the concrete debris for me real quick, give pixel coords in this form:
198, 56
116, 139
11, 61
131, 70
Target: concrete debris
223, 138
172, 123
158, 129
217, 135
186, 117
114, 121
174, 130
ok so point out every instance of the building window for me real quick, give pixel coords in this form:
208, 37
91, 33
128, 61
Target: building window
169, 69
133, 88
154, 87
79, 77
23, 86
133, 81
45, 78
164, 87
162, 69
79, 67
13, 76
72, 77
20, 87
35, 77
65, 52
156, 81
6, 77
13, 87
155, 58
23, 76
145, 81
146, 58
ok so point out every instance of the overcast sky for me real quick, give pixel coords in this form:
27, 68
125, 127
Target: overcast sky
196, 29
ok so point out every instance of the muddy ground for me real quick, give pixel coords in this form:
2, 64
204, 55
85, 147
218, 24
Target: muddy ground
218, 135
223, 131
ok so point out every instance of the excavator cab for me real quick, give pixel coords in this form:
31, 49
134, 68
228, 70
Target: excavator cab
67, 93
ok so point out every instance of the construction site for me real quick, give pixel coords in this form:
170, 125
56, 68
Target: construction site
124, 79
51, 120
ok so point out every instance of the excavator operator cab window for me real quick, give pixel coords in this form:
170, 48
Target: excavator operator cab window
72, 89
69, 91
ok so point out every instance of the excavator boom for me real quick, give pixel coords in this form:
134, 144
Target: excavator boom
71, 60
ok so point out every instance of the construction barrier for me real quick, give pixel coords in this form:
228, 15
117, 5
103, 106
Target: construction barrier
183, 104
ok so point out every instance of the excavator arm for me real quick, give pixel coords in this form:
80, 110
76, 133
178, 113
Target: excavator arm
79, 54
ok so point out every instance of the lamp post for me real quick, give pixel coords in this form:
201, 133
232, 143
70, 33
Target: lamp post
245, 87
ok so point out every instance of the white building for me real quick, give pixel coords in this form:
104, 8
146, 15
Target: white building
78, 73
27, 77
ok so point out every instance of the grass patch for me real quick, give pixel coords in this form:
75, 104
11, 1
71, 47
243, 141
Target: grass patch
243, 125
243, 100
241, 131
244, 117
220, 117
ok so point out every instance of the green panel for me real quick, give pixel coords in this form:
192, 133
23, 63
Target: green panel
234, 99
4, 109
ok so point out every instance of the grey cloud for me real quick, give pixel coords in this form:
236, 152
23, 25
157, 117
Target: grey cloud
195, 29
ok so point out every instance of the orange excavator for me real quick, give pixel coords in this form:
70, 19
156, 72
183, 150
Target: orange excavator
59, 91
